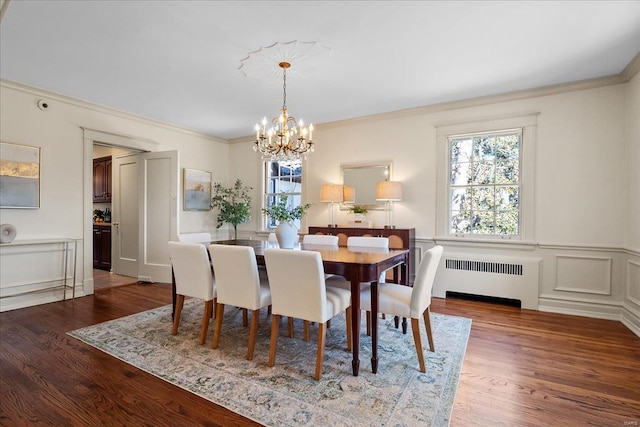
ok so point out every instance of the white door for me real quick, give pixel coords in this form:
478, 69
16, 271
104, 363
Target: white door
124, 215
145, 214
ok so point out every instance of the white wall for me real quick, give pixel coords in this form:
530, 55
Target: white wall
58, 132
581, 186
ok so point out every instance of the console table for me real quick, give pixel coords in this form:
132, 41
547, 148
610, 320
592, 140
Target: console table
399, 238
66, 245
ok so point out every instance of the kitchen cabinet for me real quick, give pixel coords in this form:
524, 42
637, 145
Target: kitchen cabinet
102, 246
102, 180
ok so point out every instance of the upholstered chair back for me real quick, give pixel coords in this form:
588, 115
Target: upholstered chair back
237, 278
297, 284
320, 239
192, 270
421, 295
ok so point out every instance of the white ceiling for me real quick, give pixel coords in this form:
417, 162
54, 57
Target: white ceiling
177, 61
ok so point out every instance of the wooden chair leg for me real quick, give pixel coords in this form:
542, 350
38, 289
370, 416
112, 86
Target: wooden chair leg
322, 331
215, 307
328, 323
255, 317
427, 325
349, 329
306, 330
245, 317
368, 319
415, 327
208, 308
269, 310
176, 316
275, 322
290, 325
216, 332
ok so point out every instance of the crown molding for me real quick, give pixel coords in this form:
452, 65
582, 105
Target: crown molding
631, 69
485, 100
104, 110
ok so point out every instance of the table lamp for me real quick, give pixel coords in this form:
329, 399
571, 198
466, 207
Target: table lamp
331, 193
388, 192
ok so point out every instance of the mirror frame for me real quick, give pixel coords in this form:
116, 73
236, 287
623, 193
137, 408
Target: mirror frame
373, 205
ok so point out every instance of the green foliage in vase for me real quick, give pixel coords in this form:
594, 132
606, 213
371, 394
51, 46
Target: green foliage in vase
282, 213
357, 209
234, 204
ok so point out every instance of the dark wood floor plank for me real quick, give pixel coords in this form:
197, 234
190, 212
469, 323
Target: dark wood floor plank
522, 368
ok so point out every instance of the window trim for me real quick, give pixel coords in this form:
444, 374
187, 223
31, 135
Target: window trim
263, 194
528, 124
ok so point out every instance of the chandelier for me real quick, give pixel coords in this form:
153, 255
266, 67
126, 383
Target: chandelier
285, 139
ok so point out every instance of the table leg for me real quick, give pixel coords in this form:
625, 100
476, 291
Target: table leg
173, 293
355, 323
374, 327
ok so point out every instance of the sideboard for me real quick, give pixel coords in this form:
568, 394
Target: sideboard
399, 238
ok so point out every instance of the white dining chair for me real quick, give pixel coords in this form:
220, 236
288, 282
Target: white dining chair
368, 242
411, 302
362, 243
298, 291
320, 239
238, 284
194, 278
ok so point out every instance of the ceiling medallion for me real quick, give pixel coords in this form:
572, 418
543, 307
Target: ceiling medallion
284, 139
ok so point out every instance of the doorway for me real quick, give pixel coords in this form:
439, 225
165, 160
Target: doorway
103, 275
92, 137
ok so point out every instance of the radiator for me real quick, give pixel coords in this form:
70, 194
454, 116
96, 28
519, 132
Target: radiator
507, 277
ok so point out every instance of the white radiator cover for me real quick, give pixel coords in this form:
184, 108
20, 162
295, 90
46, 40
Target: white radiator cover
501, 277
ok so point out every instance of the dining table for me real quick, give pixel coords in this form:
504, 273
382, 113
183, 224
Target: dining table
357, 265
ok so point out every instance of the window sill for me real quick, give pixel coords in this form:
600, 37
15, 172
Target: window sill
487, 243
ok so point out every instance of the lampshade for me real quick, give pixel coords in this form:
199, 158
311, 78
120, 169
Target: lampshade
389, 191
331, 193
349, 194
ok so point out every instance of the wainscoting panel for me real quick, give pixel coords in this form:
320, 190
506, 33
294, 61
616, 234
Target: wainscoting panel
583, 274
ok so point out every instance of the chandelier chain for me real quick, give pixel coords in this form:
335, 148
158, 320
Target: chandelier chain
284, 89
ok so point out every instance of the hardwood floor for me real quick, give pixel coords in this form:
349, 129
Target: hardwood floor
521, 368
103, 279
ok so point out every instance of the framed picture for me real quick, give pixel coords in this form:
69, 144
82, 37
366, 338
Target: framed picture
19, 176
196, 190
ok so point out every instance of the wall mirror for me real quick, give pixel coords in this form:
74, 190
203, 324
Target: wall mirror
364, 178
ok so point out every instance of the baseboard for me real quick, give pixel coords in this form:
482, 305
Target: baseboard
617, 312
36, 298
631, 320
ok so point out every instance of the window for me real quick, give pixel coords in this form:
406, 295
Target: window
484, 184
282, 178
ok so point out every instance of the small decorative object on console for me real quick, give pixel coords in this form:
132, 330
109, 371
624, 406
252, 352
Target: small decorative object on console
7, 233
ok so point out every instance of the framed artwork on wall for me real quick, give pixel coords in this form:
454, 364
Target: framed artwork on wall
19, 176
196, 190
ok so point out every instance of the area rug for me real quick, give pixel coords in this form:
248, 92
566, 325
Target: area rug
287, 394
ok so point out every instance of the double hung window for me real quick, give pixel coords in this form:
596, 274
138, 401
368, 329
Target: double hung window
484, 184
282, 178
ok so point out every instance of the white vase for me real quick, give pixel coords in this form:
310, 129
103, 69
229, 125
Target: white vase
287, 235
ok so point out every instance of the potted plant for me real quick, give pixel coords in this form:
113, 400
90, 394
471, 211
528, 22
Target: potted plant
359, 212
286, 231
234, 204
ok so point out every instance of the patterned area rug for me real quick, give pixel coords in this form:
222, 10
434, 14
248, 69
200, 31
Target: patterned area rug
287, 394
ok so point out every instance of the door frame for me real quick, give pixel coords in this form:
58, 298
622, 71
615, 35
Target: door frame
91, 137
